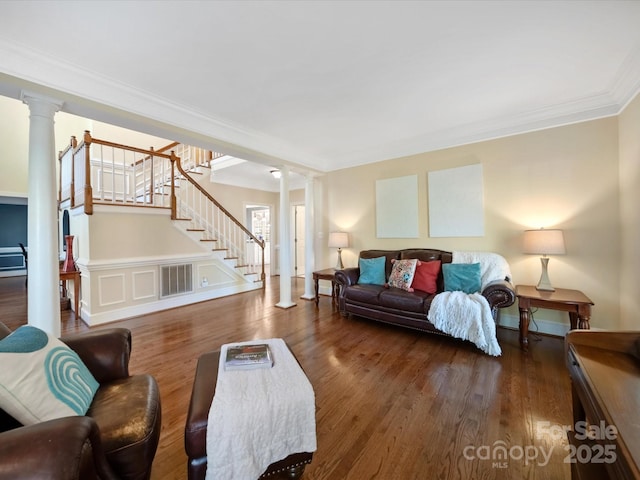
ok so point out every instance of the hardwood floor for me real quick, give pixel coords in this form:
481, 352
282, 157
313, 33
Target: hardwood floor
391, 403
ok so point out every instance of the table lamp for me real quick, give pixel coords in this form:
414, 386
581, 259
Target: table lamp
544, 242
339, 240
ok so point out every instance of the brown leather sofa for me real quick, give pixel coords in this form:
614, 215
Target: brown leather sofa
118, 437
400, 307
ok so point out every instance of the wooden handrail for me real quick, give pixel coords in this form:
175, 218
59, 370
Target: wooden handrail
160, 150
215, 202
84, 156
168, 147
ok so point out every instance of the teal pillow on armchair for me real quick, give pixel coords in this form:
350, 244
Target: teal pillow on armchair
463, 277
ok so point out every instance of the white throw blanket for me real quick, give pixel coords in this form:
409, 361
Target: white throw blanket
465, 316
468, 316
259, 416
492, 266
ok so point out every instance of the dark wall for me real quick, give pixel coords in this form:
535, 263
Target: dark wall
13, 225
13, 230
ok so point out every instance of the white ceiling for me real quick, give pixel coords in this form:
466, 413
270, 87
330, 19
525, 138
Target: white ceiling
327, 84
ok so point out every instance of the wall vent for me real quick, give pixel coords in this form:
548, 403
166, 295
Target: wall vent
175, 279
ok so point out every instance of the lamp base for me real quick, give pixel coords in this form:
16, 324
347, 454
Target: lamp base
544, 284
339, 265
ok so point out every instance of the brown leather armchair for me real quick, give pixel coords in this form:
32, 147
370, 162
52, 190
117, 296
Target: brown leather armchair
118, 437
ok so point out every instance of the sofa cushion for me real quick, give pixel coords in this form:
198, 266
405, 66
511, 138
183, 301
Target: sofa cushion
399, 299
462, 276
371, 271
425, 278
402, 274
41, 378
363, 294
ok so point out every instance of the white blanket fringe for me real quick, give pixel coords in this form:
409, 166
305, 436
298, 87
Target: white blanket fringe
465, 316
259, 416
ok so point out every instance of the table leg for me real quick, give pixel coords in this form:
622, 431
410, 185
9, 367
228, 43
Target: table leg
573, 318
583, 323
524, 328
76, 295
317, 291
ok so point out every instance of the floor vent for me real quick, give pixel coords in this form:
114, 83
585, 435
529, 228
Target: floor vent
176, 279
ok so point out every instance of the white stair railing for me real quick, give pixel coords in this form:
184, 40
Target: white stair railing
98, 171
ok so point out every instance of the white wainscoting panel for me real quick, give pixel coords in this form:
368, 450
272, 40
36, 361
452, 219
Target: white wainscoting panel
111, 289
144, 285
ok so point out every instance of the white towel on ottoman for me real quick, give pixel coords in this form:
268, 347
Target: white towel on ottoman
259, 416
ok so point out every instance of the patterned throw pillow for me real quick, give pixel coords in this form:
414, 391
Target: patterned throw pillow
41, 378
402, 273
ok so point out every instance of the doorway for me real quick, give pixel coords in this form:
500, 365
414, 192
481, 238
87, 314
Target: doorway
258, 221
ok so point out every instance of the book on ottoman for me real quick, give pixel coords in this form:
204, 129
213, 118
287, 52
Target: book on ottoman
244, 357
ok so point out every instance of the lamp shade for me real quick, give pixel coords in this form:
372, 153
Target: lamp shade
544, 242
338, 240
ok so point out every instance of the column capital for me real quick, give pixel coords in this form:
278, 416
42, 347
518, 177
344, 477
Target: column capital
39, 104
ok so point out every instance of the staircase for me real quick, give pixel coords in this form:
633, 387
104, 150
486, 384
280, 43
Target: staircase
98, 173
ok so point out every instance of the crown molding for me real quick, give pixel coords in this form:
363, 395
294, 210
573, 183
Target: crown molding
63, 76
601, 105
186, 123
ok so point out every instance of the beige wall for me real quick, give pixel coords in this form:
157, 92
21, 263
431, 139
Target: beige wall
563, 177
629, 125
14, 141
583, 178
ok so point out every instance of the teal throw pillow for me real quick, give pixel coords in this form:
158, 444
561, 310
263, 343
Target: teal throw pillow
464, 277
372, 271
41, 378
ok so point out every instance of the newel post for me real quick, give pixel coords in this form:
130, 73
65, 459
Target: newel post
174, 158
88, 191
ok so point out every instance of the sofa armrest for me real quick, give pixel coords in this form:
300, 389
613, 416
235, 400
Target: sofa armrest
347, 276
66, 448
106, 353
499, 294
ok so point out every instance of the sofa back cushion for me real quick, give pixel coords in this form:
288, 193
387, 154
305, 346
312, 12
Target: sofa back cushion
389, 254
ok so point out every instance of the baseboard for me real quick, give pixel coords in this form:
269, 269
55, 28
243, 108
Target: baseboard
543, 326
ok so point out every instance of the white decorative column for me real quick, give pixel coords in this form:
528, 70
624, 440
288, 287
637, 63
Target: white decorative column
285, 242
44, 271
309, 236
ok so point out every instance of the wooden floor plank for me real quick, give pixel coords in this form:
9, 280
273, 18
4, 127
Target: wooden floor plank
391, 403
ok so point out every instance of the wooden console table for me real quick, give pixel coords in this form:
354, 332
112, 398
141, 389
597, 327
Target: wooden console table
605, 381
326, 274
573, 301
75, 276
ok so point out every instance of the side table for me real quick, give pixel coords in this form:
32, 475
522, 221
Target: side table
326, 274
75, 276
573, 301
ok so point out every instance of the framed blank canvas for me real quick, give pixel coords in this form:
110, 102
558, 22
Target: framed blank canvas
397, 207
456, 202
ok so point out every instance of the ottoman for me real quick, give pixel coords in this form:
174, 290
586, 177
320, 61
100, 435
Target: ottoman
195, 432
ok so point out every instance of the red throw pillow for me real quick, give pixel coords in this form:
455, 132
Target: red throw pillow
426, 276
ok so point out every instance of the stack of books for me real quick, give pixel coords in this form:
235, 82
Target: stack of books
246, 357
